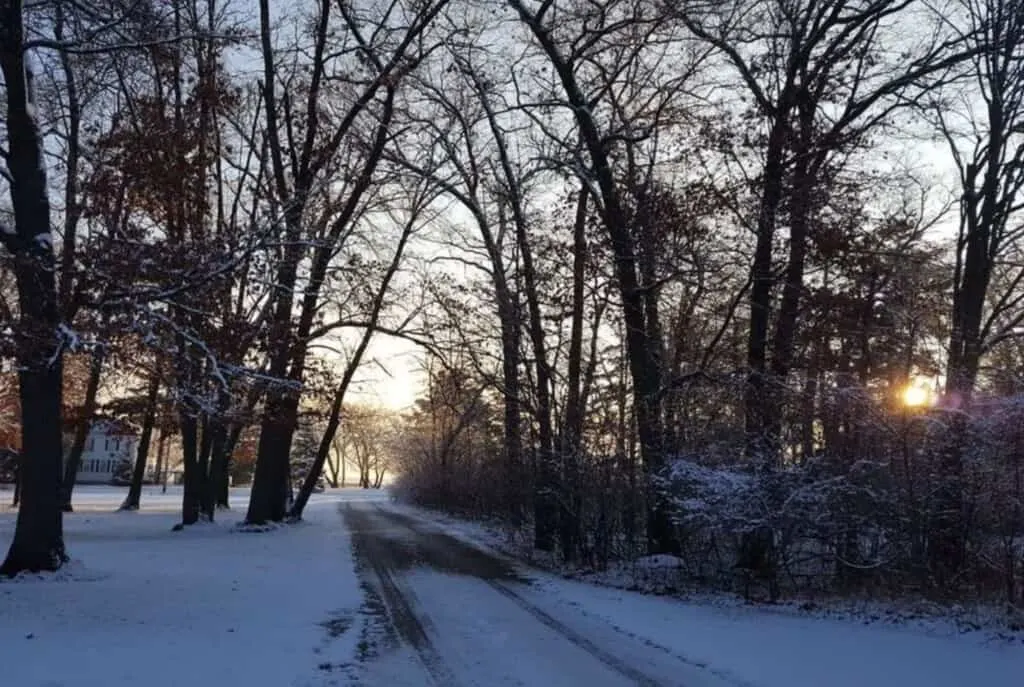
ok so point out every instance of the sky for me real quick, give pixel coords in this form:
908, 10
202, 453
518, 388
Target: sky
389, 376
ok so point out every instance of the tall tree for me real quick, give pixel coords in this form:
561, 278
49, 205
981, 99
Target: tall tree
305, 145
587, 47
822, 79
38, 542
989, 158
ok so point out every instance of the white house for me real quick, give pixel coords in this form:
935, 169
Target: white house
109, 445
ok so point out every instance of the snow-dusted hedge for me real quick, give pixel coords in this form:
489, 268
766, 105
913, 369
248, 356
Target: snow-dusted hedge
869, 517
874, 523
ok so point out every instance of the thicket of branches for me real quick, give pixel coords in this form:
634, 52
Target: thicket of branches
673, 266
746, 289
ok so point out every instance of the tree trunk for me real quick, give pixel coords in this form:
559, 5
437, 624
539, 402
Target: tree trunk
82, 427
224, 486
333, 421
546, 493
512, 426
985, 216
224, 483
213, 461
572, 427
269, 499
38, 542
757, 396
161, 458
131, 501
792, 291
208, 430
72, 206
216, 472
191, 492
333, 467
17, 482
220, 470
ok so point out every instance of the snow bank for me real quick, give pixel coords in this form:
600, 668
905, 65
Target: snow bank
755, 646
140, 604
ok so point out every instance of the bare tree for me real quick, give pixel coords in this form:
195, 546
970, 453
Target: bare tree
421, 197
38, 542
587, 47
989, 157
820, 80
990, 161
381, 51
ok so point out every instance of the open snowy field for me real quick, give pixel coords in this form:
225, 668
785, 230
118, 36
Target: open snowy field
370, 593
141, 604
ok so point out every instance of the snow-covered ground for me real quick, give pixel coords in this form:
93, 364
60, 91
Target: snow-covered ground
142, 605
767, 646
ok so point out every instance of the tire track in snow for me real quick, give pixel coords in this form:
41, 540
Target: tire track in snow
446, 552
576, 638
400, 600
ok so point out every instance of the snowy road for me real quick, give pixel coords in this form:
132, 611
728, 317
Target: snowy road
395, 597
460, 617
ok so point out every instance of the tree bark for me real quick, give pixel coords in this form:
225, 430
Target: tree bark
219, 481
512, 420
572, 424
215, 468
191, 493
131, 501
757, 397
16, 500
82, 427
161, 457
804, 168
38, 542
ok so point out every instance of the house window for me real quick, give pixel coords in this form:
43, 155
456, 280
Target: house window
91, 443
